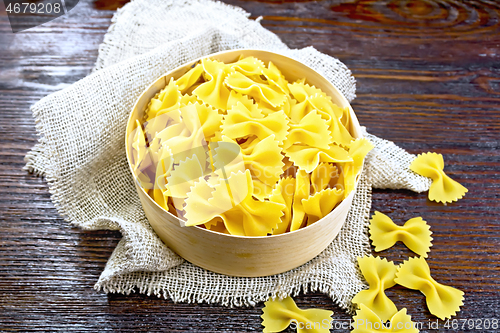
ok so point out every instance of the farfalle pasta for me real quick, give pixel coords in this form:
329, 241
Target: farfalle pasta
237, 148
443, 188
367, 321
279, 314
380, 274
443, 301
415, 234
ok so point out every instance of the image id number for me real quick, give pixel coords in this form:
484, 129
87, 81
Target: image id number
472, 324
34, 8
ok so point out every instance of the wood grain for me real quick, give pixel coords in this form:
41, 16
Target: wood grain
428, 79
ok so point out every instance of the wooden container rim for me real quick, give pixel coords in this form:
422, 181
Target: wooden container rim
354, 124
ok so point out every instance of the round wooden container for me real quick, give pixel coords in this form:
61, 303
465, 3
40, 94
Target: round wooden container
237, 255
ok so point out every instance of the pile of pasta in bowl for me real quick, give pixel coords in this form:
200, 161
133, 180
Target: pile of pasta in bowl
238, 149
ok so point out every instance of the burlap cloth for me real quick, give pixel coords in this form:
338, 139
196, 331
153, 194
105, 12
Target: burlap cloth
82, 155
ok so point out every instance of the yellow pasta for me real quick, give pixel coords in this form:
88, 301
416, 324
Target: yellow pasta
367, 321
357, 151
159, 123
226, 157
199, 123
241, 122
214, 92
184, 175
302, 190
321, 203
249, 66
325, 175
279, 314
308, 158
275, 78
164, 166
301, 91
443, 301
286, 107
283, 194
261, 92
189, 79
443, 188
167, 100
248, 103
236, 148
141, 158
263, 158
231, 199
415, 234
380, 274
312, 130
330, 112
261, 190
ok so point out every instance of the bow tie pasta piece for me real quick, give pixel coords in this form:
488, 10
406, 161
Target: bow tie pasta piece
264, 159
142, 163
275, 78
235, 97
443, 301
189, 79
167, 100
261, 190
308, 158
198, 210
357, 151
157, 124
330, 112
278, 314
302, 191
312, 130
239, 122
267, 109
321, 203
184, 176
415, 234
169, 124
213, 92
259, 91
232, 200
325, 175
248, 66
217, 224
340, 133
283, 194
380, 274
301, 91
164, 166
226, 157
188, 99
443, 188
209, 119
199, 124
346, 118
367, 321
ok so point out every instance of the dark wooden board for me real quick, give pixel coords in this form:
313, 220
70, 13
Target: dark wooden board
428, 78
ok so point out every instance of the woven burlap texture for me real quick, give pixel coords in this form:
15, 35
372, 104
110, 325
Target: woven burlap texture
82, 155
